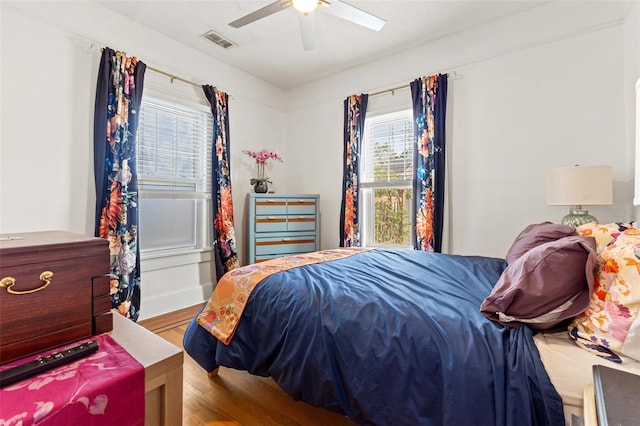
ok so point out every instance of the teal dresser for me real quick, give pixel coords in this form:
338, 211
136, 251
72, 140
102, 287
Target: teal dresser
281, 225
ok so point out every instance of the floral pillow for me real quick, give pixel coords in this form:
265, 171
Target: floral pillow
603, 233
610, 325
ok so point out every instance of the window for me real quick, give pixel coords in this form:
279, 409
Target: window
174, 175
386, 165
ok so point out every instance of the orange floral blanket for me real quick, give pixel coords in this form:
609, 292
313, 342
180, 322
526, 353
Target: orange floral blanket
222, 313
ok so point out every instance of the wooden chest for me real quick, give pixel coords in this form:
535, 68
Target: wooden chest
54, 290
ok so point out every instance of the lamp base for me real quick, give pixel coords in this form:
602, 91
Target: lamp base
578, 216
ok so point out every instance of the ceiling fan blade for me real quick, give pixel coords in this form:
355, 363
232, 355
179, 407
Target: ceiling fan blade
353, 14
269, 9
307, 30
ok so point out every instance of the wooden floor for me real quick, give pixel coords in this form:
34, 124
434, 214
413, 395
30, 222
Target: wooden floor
238, 398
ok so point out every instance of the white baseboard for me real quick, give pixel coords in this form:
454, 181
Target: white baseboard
162, 304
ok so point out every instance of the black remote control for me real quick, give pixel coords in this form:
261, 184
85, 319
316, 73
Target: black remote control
23, 371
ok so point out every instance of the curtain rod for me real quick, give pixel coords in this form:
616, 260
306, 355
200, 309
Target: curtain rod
174, 77
159, 71
404, 86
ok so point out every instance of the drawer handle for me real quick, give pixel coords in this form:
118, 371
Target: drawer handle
8, 282
271, 218
286, 239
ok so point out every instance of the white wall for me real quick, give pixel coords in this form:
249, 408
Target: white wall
48, 78
546, 88
632, 76
527, 97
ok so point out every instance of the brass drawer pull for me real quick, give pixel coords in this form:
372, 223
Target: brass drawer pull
8, 282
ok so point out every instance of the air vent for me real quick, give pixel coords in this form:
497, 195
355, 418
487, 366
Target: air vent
221, 41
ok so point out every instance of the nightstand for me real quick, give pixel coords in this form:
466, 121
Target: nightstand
162, 362
613, 398
589, 407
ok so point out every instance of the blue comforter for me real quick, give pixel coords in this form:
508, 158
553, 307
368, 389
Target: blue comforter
390, 337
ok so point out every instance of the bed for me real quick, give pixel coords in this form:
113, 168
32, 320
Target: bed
396, 336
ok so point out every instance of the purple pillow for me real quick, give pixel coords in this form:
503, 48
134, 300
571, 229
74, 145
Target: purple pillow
536, 234
550, 283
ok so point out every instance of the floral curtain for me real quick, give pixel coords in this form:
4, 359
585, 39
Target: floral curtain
224, 240
429, 96
355, 108
118, 96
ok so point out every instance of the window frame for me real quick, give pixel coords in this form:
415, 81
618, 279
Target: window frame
383, 112
203, 216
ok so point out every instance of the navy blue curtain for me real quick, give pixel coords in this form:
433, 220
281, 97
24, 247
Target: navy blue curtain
115, 127
429, 95
355, 109
224, 240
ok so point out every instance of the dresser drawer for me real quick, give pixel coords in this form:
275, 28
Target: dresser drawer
285, 245
301, 223
285, 223
268, 207
301, 206
271, 223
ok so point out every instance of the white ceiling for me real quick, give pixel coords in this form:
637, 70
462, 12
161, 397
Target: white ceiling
271, 48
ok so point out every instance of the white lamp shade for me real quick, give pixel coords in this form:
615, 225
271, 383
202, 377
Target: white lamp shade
580, 186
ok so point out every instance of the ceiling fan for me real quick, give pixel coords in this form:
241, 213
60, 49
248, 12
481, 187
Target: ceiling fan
306, 9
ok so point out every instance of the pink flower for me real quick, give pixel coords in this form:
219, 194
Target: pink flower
263, 156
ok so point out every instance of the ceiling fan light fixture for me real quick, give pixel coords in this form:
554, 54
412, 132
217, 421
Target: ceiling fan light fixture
305, 6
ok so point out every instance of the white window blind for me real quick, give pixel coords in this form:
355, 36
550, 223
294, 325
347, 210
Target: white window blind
387, 157
174, 150
174, 176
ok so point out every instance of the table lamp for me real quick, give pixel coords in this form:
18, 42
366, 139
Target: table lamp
579, 186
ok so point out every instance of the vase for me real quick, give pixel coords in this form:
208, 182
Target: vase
261, 187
